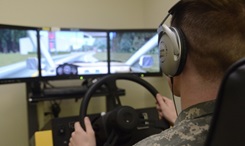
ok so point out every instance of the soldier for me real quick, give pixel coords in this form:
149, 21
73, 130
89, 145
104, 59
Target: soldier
204, 39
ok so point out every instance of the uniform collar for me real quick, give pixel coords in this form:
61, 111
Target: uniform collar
197, 111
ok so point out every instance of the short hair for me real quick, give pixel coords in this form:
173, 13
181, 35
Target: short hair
215, 33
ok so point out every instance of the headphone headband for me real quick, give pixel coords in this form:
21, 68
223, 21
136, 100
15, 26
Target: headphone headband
171, 12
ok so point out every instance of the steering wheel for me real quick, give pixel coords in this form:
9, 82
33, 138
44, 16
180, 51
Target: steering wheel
120, 121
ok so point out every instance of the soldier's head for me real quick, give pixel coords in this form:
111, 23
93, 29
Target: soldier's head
214, 32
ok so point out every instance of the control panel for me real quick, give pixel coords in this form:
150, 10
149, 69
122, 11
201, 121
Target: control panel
63, 127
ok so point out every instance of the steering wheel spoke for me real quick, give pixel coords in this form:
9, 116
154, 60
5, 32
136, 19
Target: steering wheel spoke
112, 139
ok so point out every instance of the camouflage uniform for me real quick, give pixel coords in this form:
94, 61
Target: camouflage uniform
190, 129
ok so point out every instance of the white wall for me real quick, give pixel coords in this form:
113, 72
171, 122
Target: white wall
82, 14
13, 120
73, 13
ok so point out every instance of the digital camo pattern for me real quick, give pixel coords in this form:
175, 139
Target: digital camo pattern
190, 129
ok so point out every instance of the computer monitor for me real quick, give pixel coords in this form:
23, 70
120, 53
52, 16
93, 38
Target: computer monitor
134, 51
68, 53
18, 54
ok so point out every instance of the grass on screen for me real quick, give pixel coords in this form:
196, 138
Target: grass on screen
11, 58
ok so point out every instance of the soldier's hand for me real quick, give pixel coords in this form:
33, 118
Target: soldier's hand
166, 109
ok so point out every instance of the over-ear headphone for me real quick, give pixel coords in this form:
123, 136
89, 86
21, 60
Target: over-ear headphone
172, 47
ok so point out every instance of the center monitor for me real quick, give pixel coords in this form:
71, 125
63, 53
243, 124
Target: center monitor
134, 51
73, 53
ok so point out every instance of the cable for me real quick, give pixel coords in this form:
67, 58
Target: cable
172, 88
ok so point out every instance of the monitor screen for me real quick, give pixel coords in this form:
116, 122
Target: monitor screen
73, 53
134, 51
18, 54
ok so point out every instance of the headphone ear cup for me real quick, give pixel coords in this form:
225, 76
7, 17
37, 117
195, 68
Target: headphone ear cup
183, 51
172, 50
